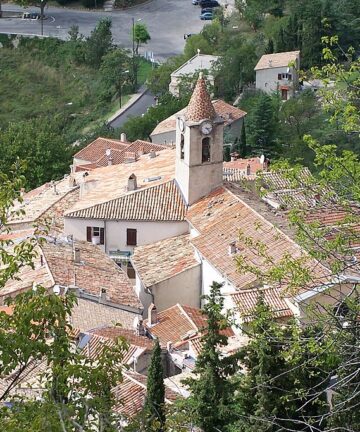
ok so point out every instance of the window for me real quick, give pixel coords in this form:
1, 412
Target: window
95, 235
205, 150
282, 76
131, 237
182, 153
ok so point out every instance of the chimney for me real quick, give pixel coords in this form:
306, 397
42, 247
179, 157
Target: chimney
169, 346
132, 183
102, 295
152, 154
123, 137
129, 157
232, 248
141, 150
72, 181
248, 169
109, 156
152, 314
77, 256
270, 63
140, 330
22, 192
234, 156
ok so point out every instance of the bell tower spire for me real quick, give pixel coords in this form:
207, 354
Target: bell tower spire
199, 146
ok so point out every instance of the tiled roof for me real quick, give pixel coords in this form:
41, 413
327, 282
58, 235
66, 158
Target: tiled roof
95, 152
227, 112
281, 59
159, 203
136, 149
108, 183
131, 394
129, 334
164, 259
242, 164
198, 62
219, 217
96, 149
246, 300
87, 315
176, 322
40, 201
200, 106
95, 272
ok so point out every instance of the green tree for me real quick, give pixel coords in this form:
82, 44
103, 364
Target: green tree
40, 144
212, 392
99, 43
261, 127
155, 391
140, 35
281, 365
159, 78
243, 148
115, 69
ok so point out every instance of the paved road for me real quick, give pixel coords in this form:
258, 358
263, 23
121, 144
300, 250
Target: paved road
167, 21
138, 108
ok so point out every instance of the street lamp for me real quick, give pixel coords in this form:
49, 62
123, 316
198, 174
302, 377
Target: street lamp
120, 86
42, 5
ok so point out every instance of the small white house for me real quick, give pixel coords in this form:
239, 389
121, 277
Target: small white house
278, 72
200, 62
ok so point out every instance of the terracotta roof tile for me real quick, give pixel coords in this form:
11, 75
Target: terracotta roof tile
87, 315
95, 272
227, 112
219, 217
164, 259
281, 59
159, 203
131, 394
175, 323
200, 106
96, 149
110, 182
246, 300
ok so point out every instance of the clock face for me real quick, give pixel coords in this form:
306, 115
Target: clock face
206, 128
181, 124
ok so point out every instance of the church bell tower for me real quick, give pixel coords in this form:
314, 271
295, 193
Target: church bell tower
199, 146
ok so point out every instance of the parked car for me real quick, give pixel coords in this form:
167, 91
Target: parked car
195, 2
31, 15
207, 16
206, 10
209, 3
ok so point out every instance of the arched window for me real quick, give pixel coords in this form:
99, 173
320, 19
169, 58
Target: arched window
182, 143
205, 150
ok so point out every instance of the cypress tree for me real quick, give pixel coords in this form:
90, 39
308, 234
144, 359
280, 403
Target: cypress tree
155, 394
261, 127
227, 156
243, 150
269, 47
212, 393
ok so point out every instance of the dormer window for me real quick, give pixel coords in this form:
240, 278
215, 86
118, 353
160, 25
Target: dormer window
205, 150
182, 144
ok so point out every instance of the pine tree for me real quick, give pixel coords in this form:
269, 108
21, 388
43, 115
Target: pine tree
155, 395
212, 393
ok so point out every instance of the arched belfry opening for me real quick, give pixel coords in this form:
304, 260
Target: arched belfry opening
205, 150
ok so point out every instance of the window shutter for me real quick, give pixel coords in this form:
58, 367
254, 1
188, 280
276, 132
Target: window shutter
279, 77
88, 234
102, 236
131, 239
289, 76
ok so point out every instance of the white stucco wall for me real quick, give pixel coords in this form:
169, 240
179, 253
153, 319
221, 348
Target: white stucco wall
267, 80
115, 231
183, 288
165, 138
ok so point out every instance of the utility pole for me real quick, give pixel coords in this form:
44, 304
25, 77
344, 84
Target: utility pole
42, 16
133, 52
